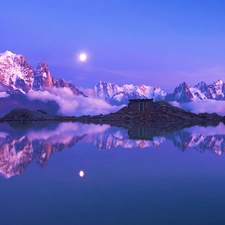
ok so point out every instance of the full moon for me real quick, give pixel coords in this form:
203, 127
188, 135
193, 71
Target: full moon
83, 57
81, 173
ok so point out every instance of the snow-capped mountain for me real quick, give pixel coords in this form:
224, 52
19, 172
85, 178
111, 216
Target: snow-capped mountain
214, 91
17, 74
181, 93
201, 91
118, 95
43, 80
18, 77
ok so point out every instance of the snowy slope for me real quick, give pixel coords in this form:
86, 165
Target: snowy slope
201, 91
17, 74
119, 95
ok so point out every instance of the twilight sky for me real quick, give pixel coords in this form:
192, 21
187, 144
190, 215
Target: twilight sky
152, 42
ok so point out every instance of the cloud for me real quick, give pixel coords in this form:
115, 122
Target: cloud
73, 105
202, 106
87, 91
3, 94
3, 135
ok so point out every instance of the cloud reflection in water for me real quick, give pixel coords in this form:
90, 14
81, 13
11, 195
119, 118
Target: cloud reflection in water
19, 147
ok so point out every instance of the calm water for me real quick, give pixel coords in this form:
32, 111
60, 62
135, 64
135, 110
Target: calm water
91, 174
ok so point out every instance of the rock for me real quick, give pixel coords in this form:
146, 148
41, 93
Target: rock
166, 113
22, 114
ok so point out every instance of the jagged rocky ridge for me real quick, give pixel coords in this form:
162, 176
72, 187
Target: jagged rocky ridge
20, 146
17, 74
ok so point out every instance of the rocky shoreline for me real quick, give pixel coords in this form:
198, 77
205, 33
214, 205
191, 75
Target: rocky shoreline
167, 115
21, 115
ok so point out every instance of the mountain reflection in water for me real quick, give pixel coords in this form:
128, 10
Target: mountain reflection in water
20, 145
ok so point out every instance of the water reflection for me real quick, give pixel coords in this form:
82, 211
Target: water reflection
20, 145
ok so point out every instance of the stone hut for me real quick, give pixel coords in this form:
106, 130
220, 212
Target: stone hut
143, 105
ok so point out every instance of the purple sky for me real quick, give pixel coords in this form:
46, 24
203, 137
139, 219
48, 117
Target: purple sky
141, 42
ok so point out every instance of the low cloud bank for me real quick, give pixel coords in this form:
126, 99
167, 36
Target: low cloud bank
202, 106
69, 104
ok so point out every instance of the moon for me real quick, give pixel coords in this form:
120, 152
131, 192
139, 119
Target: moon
83, 57
81, 173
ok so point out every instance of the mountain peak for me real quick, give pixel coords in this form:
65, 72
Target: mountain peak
184, 84
202, 83
105, 83
42, 76
105, 89
181, 93
16, 73
218, 82
7, 53
42, 64
42, 70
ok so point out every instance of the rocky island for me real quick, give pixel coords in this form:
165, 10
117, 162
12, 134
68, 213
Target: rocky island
21, 114
143, 111
158, 116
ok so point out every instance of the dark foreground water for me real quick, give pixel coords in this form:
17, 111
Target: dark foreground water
90, 174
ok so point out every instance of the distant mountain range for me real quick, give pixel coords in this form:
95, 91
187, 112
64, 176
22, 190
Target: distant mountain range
117, 95
17, 78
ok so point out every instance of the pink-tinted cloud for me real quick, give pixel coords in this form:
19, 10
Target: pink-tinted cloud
73, 105
202, 106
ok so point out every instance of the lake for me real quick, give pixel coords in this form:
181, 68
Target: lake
86, 174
